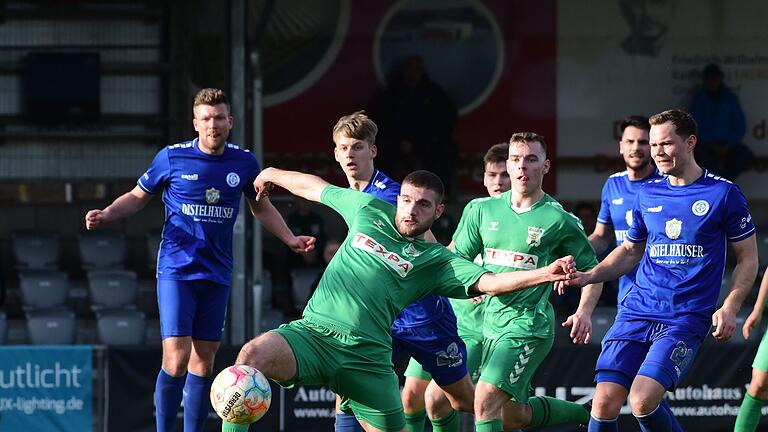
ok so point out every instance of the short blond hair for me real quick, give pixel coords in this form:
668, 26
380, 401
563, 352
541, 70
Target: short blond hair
211, 96
358, 126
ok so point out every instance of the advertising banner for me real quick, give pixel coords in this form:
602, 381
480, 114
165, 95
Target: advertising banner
707, 401
46, 388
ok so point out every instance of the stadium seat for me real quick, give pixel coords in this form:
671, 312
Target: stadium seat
110, 289
153, 246
301, 283
101, 250
602, 320
43, 289
51, 327
35, 250
3, 328
121, 327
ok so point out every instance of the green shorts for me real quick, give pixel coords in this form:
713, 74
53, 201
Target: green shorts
474, 343
324, 356
761, 358
509, 363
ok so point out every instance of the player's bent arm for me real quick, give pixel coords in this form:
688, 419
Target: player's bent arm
307, 186
503, 283
125, 205
618, 263
744, 273
601, 238
756, 316
590, 294
271, 219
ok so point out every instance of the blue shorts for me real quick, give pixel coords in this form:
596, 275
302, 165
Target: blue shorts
436, 346
656, 350
194, 308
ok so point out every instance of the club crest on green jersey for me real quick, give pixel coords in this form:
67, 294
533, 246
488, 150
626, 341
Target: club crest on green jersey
534, 236
212, 195
379, 223
410, 250
673, 228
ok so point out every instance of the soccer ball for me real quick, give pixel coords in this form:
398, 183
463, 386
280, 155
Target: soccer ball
240, 394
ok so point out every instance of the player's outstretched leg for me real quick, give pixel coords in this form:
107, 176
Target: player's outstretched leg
756, 397
444, 401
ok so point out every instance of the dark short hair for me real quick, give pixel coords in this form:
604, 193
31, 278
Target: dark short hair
526, 137
426, 180
684, 123
497, 153
640, 122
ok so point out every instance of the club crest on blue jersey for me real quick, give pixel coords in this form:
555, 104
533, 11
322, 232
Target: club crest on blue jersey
673, 228
233, 179
212, 195
534, 236
700, 208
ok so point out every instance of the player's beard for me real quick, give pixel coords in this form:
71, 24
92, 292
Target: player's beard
414, 230
638, 165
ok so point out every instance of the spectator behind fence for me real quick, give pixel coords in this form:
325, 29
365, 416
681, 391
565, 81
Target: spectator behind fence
722, 125
416, 118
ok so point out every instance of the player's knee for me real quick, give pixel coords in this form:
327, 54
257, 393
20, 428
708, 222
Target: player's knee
412, 401
642, 403
606, 407
488, 403
175, 361
759, 386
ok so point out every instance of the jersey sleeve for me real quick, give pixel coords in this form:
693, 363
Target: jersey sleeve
604, 216
574, 242
253, 171
455, 275
346, 202
467, 242
738, 220
157, 175
637, 232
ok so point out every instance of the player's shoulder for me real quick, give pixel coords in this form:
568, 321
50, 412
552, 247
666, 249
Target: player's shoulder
383, 182
556, 211
179, 147
618, 176
712, 179
477, 201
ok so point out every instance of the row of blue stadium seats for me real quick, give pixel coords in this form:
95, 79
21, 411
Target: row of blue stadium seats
59, 326
107, 289
40, 249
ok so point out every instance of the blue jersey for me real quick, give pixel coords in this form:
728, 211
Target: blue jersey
202, 194
430, 307
685, 229
616, 209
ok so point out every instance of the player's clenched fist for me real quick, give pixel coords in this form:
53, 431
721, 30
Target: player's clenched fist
94, 218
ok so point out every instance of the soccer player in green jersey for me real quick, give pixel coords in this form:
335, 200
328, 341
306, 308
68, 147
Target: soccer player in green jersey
757, 395
343, 340
522, 230
469, 312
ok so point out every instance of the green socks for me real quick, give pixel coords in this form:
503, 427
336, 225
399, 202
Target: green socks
414, 422
749, 414
551, 411
231, 427
494, 425
449, 423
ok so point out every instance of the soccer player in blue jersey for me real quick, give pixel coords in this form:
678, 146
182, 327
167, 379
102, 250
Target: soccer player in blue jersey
426, 329
201, 182
680, 225
619, 191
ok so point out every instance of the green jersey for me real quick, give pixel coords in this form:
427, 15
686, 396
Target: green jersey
509, 240
377, 272
469, 316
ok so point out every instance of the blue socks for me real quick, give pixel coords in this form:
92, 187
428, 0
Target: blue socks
196, 402
346, 423
660, 420
596, 425
168, 391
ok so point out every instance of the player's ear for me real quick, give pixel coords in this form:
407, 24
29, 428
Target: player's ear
547, 163
439, 210
194, 123
374, 150
691, 142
